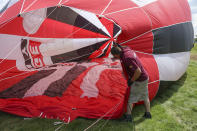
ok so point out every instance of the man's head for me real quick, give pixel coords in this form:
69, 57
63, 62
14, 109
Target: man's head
116, 51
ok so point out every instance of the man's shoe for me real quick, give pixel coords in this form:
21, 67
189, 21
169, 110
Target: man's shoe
126, 118
147, 115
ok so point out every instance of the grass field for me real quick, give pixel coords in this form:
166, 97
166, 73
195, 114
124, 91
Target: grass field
174, 109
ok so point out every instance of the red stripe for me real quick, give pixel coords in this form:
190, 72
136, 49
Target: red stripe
98, 6
109, 25
41, 106
143, 43
117, 5
108, 50
151, 67
95, 6
7, 64
132, 22
168, 12
49, 29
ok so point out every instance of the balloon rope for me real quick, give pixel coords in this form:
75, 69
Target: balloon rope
3, 13
143, 52
14, 76
6, 22
7, 70
22, 6
153, 81
109, 118
62, 123
104, 115
30, 5
148, 18
120, 11
59, 2
106, 8
136, 37
64, 2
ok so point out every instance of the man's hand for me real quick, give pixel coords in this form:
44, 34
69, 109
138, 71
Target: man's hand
129, 82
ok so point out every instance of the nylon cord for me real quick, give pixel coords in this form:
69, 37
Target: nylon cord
106, 8
22, 6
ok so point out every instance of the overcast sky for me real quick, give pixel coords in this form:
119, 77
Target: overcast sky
193, 5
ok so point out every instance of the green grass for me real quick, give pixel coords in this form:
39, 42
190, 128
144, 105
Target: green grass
174, 109
194, 50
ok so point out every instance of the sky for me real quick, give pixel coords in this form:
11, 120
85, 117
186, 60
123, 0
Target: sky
193, 6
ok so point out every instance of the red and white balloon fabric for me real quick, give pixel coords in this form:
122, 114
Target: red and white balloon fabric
55, 57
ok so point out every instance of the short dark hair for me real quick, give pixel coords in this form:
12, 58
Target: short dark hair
116, 50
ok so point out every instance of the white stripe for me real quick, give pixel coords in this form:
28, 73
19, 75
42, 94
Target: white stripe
8, 42
92, 18
60, 46
89, 83
13, 50
42, 85
172, 66
33, 20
